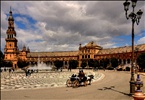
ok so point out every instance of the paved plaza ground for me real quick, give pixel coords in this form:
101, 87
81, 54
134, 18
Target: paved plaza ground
42, 79
108, 85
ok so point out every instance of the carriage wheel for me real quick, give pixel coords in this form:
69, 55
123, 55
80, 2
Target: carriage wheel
75, 83
68, 83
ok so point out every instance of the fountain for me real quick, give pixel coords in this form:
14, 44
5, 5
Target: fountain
41, 66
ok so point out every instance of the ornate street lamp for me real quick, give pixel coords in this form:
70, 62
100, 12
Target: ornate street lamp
135, 17
138, 95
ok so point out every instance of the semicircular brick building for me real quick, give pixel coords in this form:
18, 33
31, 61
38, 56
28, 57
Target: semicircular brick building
89, 51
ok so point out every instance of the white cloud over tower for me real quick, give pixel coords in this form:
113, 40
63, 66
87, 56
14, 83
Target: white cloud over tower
63, 25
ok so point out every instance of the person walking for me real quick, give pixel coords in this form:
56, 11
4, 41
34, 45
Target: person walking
69, 68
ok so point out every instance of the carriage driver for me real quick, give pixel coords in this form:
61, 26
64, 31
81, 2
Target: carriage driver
81, 75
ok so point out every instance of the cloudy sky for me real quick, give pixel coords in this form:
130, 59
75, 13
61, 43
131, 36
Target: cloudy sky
63, 25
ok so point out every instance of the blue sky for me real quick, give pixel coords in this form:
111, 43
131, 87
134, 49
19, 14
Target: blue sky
63, 25
20, 24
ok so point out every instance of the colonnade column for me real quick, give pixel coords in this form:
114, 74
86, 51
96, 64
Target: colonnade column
121, 61
63, 64
126, 61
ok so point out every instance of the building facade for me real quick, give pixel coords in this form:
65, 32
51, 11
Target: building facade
89, 51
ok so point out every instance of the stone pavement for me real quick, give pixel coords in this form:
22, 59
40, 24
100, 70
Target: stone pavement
113, 86
142, 73
18, 80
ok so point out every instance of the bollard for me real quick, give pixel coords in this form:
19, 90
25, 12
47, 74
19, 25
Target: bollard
138, 95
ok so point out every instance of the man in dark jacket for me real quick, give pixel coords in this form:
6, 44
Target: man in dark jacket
81, 75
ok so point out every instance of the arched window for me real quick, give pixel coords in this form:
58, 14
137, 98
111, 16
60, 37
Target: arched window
124, 61
82, 56
128, 61
7, 36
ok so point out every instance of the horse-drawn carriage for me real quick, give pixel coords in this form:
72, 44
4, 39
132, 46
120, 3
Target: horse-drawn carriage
75, 81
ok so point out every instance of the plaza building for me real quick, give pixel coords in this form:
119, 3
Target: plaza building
86, 52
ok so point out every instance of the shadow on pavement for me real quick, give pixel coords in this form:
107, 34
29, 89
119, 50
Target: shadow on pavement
112, 88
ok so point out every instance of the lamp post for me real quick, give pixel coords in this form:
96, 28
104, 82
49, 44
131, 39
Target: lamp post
138, 95
135, 17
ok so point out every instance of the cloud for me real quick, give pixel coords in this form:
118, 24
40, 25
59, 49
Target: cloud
63, 25
141, 40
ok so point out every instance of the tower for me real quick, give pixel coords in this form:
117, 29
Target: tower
11, 49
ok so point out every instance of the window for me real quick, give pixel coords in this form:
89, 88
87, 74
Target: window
82, 56
87, 50
84, 51
124, 61
88, 56
128, 61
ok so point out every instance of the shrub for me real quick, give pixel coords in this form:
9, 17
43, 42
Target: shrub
120, 69
73, 64
101, 67
127, 68
110, 68
83, 64
22, 64
141, 61
58, 64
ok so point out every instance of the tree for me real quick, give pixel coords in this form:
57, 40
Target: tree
47, 63
58, 64
83, 64
73, 64
91, 63
141, 61
32, 63
22, 64
114, 62
96, 63
101, 63
8, 63
1, 59
106, 62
